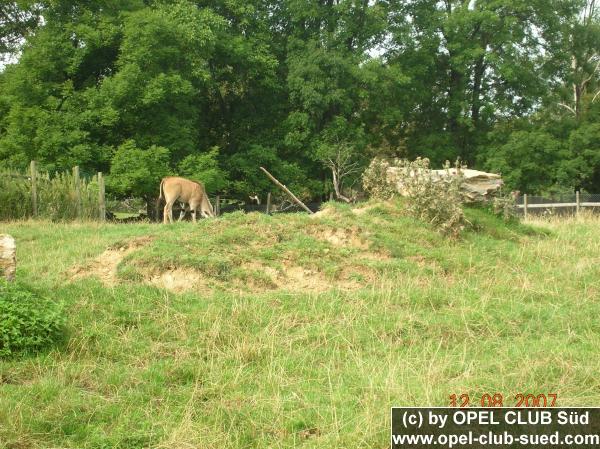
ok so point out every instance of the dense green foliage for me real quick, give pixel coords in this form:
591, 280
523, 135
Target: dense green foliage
215, 89
28, 322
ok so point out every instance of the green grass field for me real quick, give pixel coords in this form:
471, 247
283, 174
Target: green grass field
250, 331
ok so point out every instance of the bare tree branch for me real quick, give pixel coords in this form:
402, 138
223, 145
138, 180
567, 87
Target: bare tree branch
336, 187
16, 24
587, 80
341, 166
568, 107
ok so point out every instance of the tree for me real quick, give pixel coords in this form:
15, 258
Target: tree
17, 20
137, 172
204, 168
528, 160
471, 62
326, 81
311, 89
341, 159
581, 59
581, 169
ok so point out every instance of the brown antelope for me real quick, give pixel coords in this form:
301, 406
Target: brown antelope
173, 188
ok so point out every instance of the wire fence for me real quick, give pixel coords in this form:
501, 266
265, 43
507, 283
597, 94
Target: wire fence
560, 199
558, 204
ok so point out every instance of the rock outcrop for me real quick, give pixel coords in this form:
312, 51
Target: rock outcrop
8, 257
477, 185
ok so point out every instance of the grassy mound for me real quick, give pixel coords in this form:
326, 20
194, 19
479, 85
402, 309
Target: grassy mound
341, 248
250, 331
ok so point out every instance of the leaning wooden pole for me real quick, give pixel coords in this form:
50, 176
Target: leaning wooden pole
286, 190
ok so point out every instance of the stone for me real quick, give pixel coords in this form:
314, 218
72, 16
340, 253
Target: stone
8, 257
478, 186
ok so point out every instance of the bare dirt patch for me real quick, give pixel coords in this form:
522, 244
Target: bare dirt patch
423, 262
342, 237
350, 238
355, 277
296, 278
178, 280
104, 267
302, 279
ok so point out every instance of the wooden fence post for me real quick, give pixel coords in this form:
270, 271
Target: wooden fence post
33, 174
525, 205
218, 206
577, 202
101, 197
268, 203
77, 182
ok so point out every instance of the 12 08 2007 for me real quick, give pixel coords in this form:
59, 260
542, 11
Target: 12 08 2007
498, 400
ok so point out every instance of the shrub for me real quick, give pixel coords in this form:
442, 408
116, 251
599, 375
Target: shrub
375, 180
431, 197
505, 205
28, 322
56, 198
15, 196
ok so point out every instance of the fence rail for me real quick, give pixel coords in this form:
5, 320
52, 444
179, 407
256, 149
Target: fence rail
576, 202
555, 205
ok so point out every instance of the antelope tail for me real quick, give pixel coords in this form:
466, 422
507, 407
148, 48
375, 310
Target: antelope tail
157, 205
160, 190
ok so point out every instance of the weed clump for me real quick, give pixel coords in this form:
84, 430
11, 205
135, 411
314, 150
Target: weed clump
504, 205
56, 197
375, 180
28, 322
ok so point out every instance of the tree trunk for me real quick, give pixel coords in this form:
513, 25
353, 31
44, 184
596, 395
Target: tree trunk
336, 187
476, 100
454, 103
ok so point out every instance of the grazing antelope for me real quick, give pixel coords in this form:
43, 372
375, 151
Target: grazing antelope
173, 189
